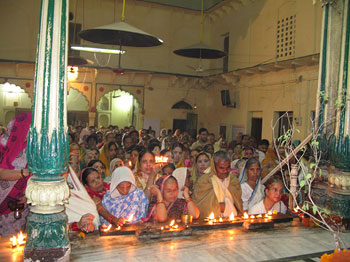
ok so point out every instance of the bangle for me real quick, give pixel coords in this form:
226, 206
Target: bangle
22, 175
160, 202
100, 208
189, 200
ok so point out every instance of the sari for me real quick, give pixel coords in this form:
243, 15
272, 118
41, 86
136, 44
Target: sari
134, 203
174, 210
250, 197
13, 156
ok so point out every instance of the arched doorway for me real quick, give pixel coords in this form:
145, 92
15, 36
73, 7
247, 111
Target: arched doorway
13, 100
77, 108
118, 108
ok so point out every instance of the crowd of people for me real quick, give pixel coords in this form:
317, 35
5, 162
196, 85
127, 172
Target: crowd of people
115, 178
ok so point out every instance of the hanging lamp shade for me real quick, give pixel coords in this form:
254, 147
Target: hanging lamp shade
120, 33
200, 50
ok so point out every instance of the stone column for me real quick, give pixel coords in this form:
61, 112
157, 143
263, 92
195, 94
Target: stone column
333, 107
47, 150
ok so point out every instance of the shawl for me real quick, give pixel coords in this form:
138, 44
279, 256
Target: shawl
80, 202
206, 199
134, 203
97, 194
174, 210
13, 156
259, 191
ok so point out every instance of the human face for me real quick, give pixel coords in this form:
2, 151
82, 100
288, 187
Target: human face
133, 156
170, 157
110, 138
127, 142
274, 192
88, 157
96, 154
210, 149
112, 152
120, 153
99, 167
124, 188
203, 137
156, 151
211, 139
248, 153
193, 155
170, 191
167, 171
94, 181
91, 143
202, 163
281, 151
177, 152
238, 149
222, 169
253, 172
147, 163
263, 148
75, 149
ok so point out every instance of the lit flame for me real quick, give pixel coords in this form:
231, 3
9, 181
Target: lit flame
172, 223
275, 212
266, 215
161, 159
245, 216
107, 228
269, 213
220, 219
260, 215
162, 228
176, 226
19, 240
210, 222
211, 216
232, 216
117, 228
130, 218
214, 220
252, 216
296, 210
130, 164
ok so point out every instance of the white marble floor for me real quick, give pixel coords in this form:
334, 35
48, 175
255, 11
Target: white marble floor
215, 245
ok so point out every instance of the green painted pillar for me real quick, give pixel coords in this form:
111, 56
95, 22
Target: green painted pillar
47, 150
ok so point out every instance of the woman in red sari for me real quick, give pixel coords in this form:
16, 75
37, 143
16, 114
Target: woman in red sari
93, 182
13, 173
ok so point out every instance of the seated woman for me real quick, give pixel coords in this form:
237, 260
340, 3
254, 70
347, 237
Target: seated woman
272, 201
92, 180
218, 191
252, 189
108, 152
124, 199
99, 166
201, 163
168, 169
168, 205
146, 171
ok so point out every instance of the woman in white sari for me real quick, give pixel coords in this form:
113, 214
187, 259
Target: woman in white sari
252, 188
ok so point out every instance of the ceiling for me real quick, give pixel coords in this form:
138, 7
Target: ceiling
187, 4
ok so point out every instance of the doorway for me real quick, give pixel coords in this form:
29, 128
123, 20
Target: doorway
256, 129
179, 124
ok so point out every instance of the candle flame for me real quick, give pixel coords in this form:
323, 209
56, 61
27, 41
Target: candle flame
232, 216
172, 223
220, 219
245, 216
296, 210
176, 226
211, 216
260, 215
117, 228
214, 220
210, 222
130, 218
161, 159
19, 240
252, 216
269, 213
130, 163
266, 215
106, 229
162, 228
13, 240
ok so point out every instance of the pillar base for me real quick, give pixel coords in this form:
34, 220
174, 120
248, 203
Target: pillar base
47, 237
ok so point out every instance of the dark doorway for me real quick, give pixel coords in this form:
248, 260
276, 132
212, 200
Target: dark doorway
226, 50
256, 129
191, 123
179, 124
222, 132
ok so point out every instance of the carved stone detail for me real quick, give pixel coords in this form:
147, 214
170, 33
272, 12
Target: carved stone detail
47, 197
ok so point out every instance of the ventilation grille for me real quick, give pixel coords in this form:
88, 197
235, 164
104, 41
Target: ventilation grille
286, 30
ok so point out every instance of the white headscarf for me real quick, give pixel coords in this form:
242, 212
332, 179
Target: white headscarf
112, 164
119, 175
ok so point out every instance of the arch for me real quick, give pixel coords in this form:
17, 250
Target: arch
182, 105
76, 100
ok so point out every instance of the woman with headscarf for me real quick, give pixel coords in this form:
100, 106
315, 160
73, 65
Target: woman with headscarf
108, 152
218, 190
13, 173
252, 188
124, 201
167, 203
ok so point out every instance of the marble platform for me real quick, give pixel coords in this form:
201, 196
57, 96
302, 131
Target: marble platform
278, 244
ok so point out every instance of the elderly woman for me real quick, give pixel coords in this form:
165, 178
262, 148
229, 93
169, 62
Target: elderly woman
218, 191
124, 200
252, 189
272, 201
99, 166
92, 180
168, 205
87, 156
